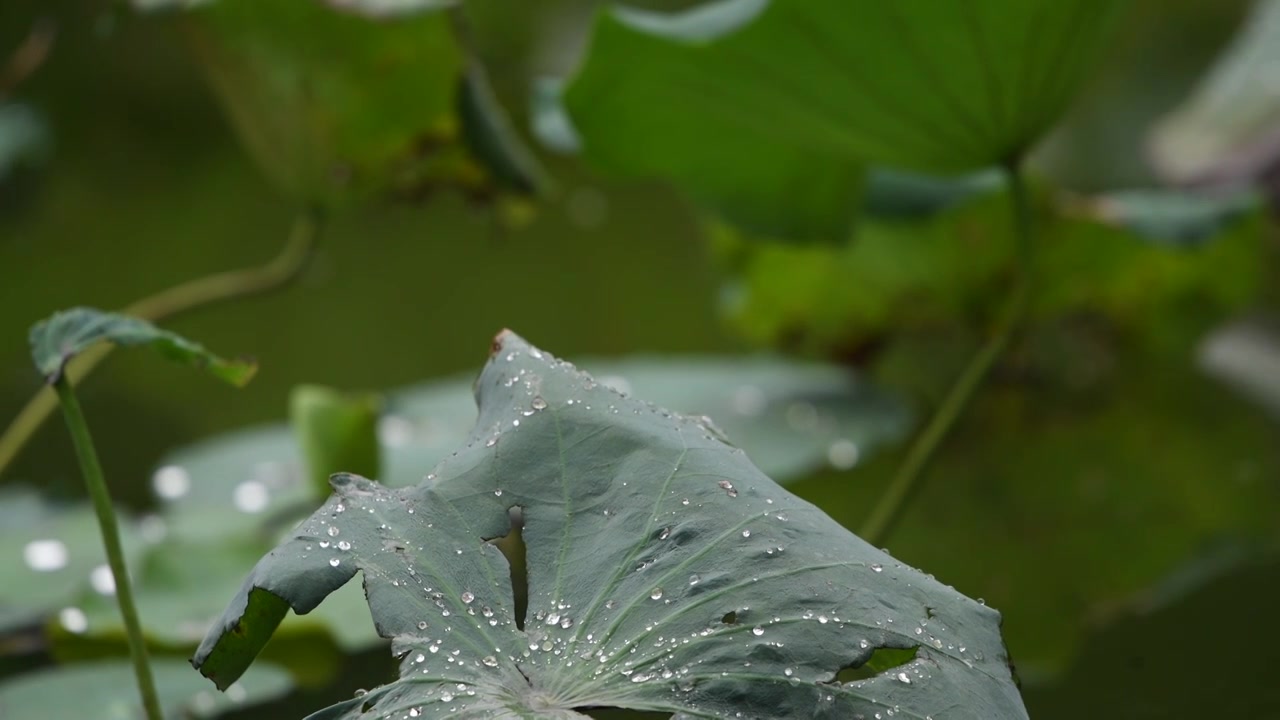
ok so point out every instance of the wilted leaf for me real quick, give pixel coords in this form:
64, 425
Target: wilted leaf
340, 107
659, 561
107, 691
68, 333
781, 103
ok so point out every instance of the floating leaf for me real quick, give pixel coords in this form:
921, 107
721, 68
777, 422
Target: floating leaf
659, 561
109, 689
1225, 133
24, 139
1170, 216
781, 103
896, 276
68, 333
47, 555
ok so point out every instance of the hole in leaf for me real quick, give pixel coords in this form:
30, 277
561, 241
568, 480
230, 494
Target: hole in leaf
882, 660
620, 714
730, 618
512, 546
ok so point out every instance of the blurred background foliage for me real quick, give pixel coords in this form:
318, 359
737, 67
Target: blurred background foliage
1113, 489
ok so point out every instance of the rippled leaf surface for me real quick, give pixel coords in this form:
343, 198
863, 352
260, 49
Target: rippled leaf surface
781, 103
106, 691
665, 573
70, 332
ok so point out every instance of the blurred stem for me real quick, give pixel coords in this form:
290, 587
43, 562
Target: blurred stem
102, 506
208, 290
888, 511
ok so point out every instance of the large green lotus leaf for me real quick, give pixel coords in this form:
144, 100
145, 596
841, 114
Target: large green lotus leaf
47, 554
1225, 132
727, 145
338, 107
898, 276
665, 573
766, 110
1085, 473
225, 501
107, 691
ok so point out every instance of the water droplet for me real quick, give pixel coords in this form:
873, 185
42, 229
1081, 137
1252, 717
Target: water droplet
802, 416
251, 496
344, 545
73, 620
843, 454
903, 677
748, 400
422, 624
333, 531
102, 581
694, 579
490, 661
498, 492
538, 403
877, 567
746, 533
728, 488
467, 597
788, 672
335, 562
757, 631
491, 441
45, 555
171, 482
655, 594
395, 431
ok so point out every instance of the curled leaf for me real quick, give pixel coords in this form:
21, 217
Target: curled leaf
68, 333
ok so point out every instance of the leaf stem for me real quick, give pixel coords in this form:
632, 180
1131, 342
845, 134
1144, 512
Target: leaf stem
208, 290
906, 481
102, 506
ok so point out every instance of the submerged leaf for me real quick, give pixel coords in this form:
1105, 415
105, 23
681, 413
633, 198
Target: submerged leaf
665, 573
68, 333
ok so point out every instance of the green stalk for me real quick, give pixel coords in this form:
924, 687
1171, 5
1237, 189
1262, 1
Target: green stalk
907, 480
97, 485
220, 287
